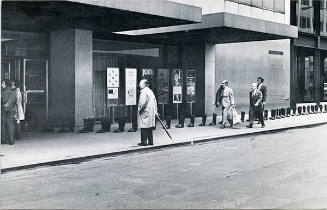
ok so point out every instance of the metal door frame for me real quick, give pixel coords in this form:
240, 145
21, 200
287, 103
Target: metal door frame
46, 84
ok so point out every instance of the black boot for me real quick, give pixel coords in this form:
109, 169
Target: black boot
214, 120
272, 114
320, 108
266, 114
293, 111
282, 113
181, 121
316, 109
87, 126
105, 126
309, 109
121, 126
299, 110
288, 112
278, 114
304, 110
242, 116
312, 110
204, 119
168, 121
192, 117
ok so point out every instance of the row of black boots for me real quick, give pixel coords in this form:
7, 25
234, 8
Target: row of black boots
275, 114
105, 126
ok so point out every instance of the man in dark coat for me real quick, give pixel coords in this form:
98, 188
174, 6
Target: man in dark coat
9, 103
263, 90
256, 106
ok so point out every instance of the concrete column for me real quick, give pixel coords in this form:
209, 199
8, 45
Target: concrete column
210, 75
0, 80
317, 73
71, 75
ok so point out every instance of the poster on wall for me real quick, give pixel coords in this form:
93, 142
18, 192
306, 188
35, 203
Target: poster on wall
130, 82
148, 74
163, 86
177, 77
112, 86
190, 86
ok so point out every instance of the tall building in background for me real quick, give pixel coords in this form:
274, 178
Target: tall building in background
308, 52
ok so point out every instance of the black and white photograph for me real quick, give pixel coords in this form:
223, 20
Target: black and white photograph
163, 104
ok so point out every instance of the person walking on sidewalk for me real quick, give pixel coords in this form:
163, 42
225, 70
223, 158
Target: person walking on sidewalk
256, 106
227, 102
9, 103
147, 109
263, 89
218, 101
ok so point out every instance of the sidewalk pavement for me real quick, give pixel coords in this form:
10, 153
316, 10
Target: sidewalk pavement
49, 148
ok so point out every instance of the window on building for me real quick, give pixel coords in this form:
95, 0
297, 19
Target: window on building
324, 81
309, 94
305, 2
304, 22
279, 6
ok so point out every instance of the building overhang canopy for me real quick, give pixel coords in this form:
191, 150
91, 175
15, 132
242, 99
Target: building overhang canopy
221, 28
100, 16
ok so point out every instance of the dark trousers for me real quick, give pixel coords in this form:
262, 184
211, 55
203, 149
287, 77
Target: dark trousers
256, 113
9, 127
146, 135
3, 127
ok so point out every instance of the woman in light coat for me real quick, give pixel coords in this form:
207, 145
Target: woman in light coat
147, 109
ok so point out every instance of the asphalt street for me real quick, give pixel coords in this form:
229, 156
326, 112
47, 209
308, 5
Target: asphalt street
278, 170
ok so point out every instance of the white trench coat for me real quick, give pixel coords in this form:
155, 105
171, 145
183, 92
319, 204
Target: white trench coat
147, 108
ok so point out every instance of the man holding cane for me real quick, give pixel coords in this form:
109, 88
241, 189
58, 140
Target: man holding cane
147, 110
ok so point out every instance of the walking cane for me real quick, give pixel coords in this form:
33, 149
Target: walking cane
164, 127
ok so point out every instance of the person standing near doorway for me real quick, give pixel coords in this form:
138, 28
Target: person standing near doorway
19, 112
9, 103
147, 109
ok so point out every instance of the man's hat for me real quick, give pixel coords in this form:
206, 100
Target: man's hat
224, 82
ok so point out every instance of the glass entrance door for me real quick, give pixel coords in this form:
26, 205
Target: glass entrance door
35, 92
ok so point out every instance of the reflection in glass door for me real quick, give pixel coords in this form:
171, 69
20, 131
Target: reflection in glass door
35, 85
324, 81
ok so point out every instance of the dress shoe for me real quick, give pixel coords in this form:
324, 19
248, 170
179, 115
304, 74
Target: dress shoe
179, 126
132, 130
221, 122
140, 144
150, 144
190, 125
118, 131
202, 124
212, 124
262, 126
249, 126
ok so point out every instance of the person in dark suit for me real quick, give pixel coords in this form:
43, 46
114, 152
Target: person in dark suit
256, 106
263, 89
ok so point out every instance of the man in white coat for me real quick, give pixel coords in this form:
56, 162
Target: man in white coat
147, 109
